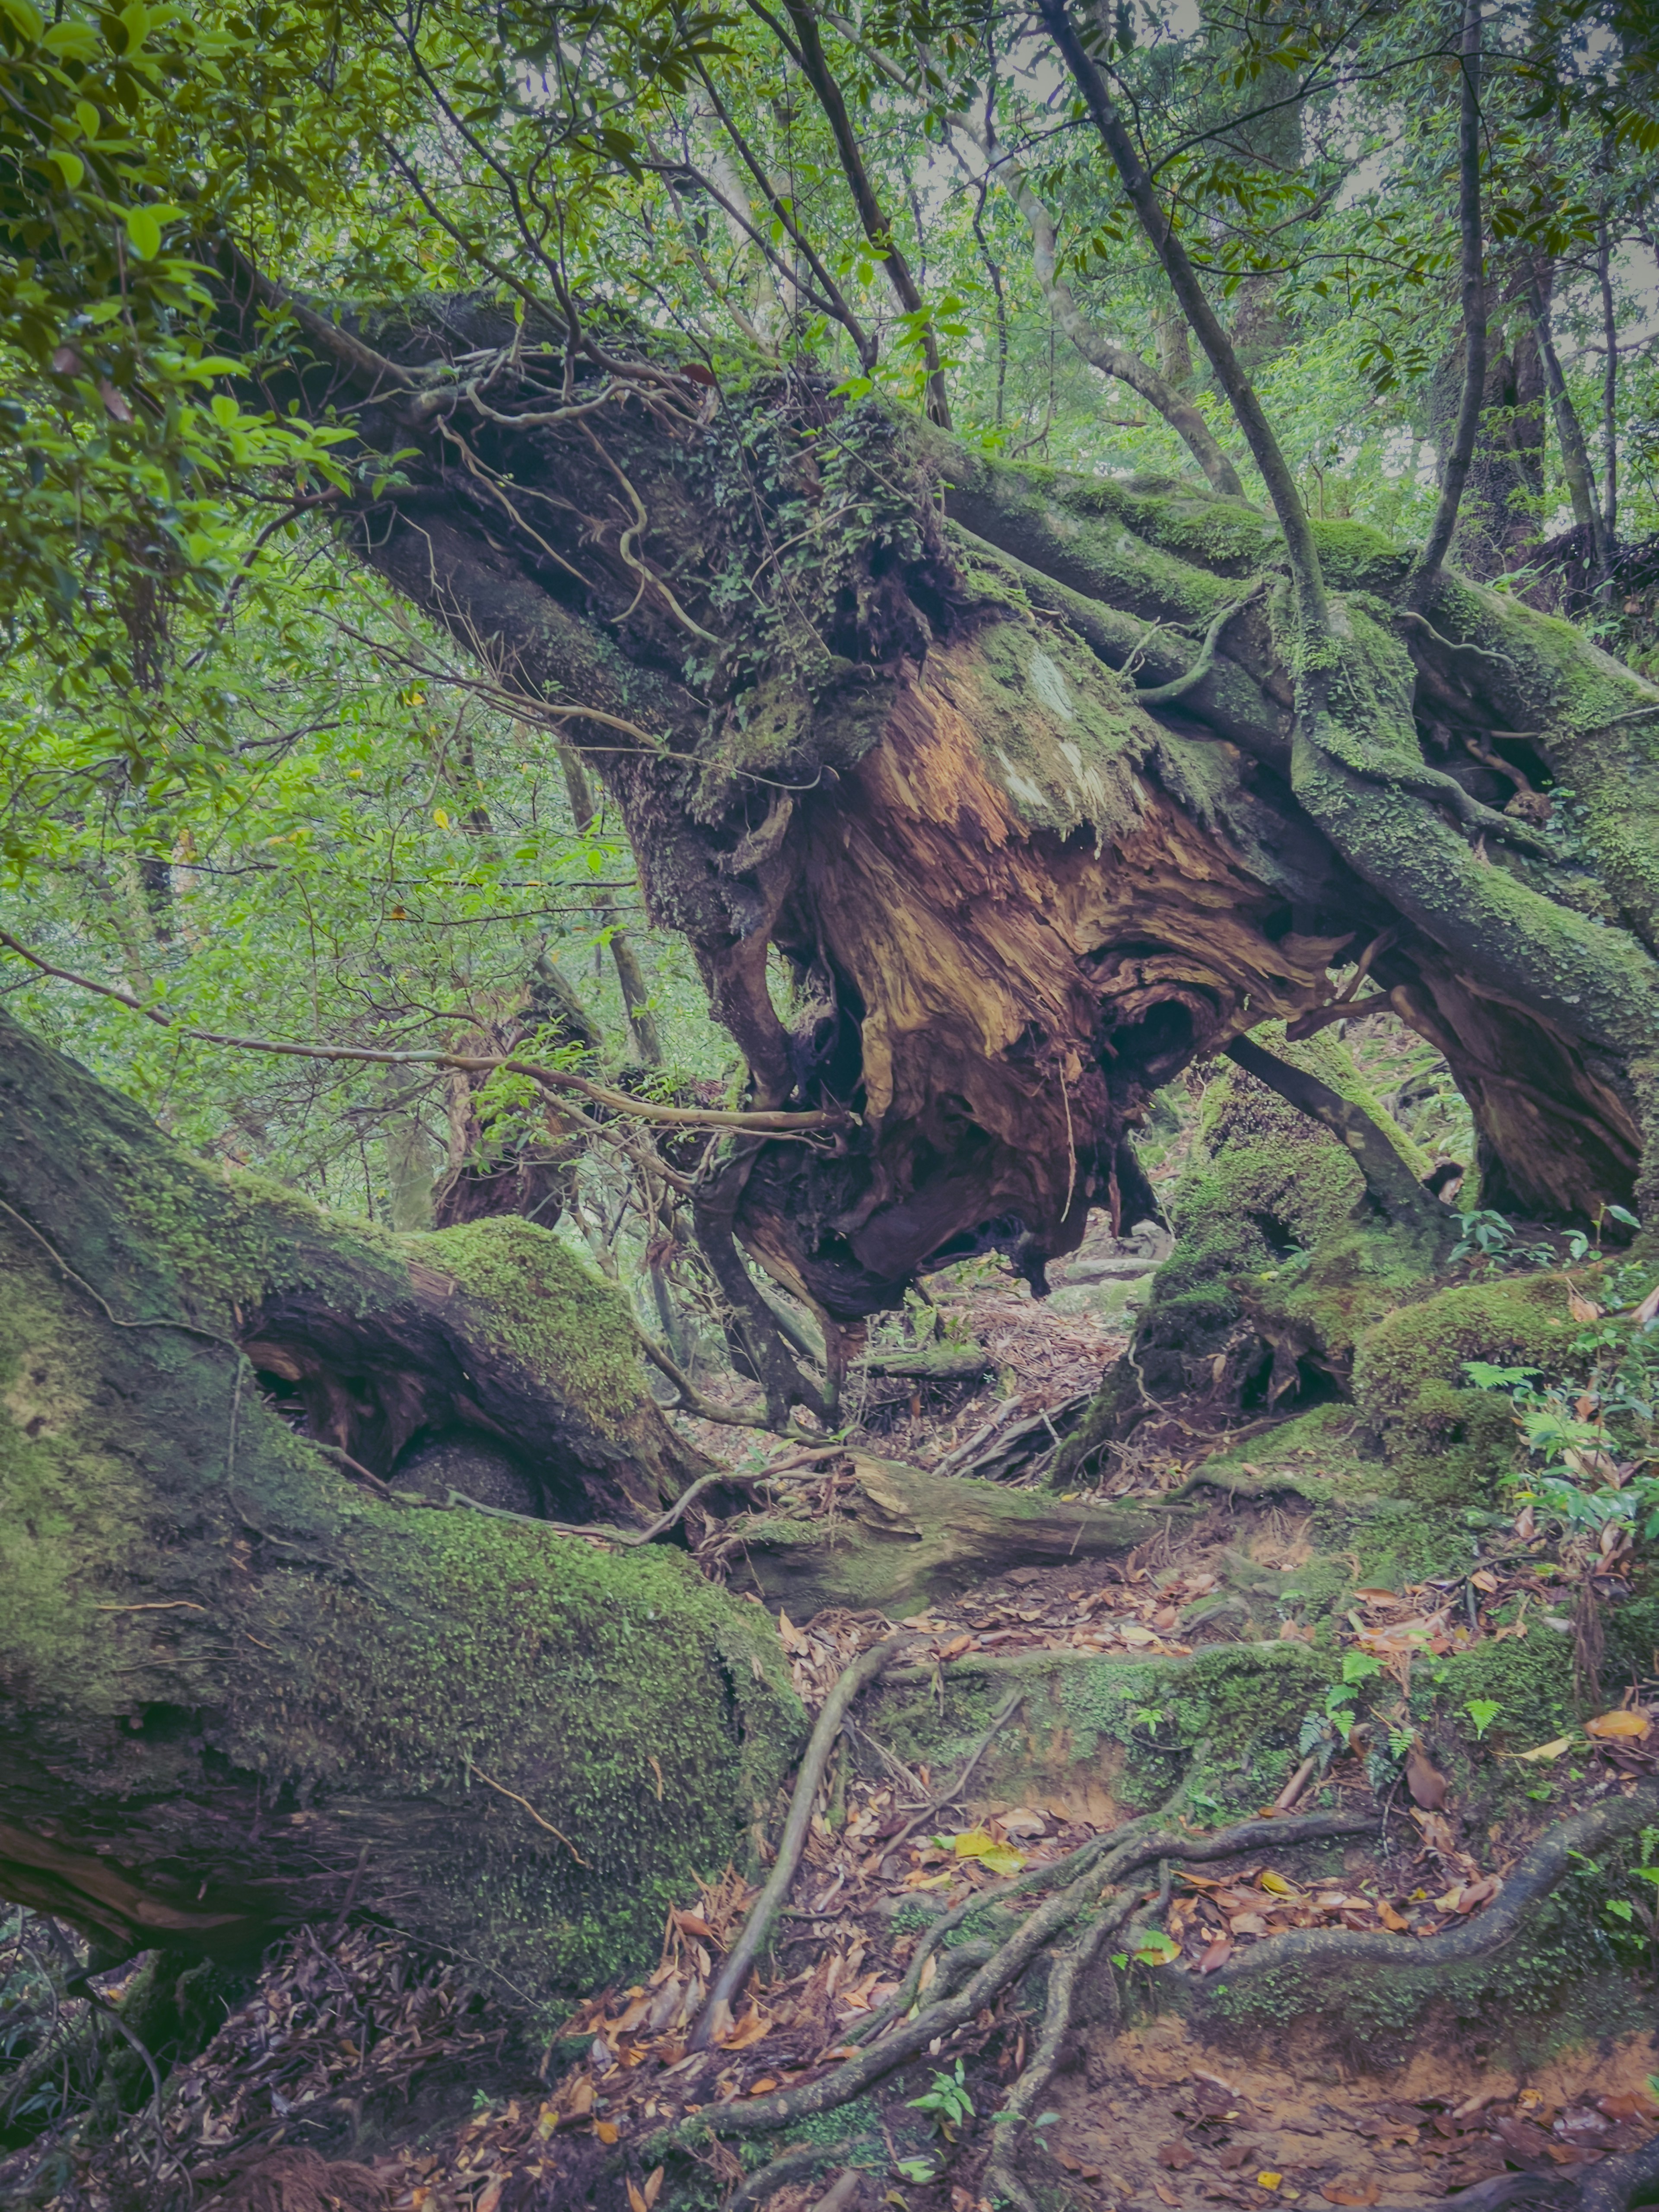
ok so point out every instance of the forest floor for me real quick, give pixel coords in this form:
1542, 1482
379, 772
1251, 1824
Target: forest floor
362, 2074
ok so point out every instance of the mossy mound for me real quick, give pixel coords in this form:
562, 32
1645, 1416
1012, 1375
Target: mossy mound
1441, 1440
1278, 1262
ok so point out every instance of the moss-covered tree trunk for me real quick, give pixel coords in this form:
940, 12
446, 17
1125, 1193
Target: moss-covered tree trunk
1003, 763
240, 1684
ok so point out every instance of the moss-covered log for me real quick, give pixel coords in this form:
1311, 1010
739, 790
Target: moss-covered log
239, 1684
900, 1539
970, 744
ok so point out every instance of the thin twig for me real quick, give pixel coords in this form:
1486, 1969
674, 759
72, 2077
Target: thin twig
558, 1079
474, 1768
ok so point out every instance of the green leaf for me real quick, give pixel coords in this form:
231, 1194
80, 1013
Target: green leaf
144, 233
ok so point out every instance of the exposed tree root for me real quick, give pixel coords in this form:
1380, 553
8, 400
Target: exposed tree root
1101, 1866
1346, 1950
733, 1974
1001, 2178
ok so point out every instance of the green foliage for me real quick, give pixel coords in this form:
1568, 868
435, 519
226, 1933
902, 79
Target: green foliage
1590, 1419
945, 2100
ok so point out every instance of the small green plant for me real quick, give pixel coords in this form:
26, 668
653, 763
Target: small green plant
946, 2102
1483, 1711
916, 2169
1489, 1241
1593, 1427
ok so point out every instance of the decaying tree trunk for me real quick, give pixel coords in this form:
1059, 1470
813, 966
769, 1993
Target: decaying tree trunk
1003, 764
247, 1675
900, 1539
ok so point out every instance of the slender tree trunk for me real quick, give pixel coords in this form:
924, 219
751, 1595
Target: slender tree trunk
636, 994
1455, 472
1587, 512
1609, 392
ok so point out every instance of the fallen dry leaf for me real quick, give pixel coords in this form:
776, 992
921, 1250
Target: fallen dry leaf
1268, 2180
1174, 2157
1428, 1785
1543, 1751
749, 2029
1395, 1923
1351, 2192
606, 2131
1628, 2106
1165, 2196
1215, 1954
1609, 1725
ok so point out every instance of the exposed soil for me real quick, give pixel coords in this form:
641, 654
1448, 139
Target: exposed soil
1153, 2116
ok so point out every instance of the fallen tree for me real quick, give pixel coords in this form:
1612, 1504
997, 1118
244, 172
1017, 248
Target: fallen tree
248, 1676
1009, 767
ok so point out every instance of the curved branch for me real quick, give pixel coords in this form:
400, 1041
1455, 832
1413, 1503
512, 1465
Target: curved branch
1390, 1183
1161, 695
552, 1079
1543, 1867
1101, 352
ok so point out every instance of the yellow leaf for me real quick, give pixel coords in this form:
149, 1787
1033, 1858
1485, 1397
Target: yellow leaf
441, 818
635, 2199
1545, 1751
1268, 2180
606, 2131
652, 2186
547, 2123
1617, 1724
979, 1844
1277, 1885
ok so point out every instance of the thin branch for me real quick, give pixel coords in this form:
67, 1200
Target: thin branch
555, 1079
1288, 506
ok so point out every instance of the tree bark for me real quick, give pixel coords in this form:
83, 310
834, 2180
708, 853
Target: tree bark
245, 1669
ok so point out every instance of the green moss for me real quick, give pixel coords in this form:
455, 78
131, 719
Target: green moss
200, 1611
1053, 732
1272, 1224
1444, 1442
558, 1317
